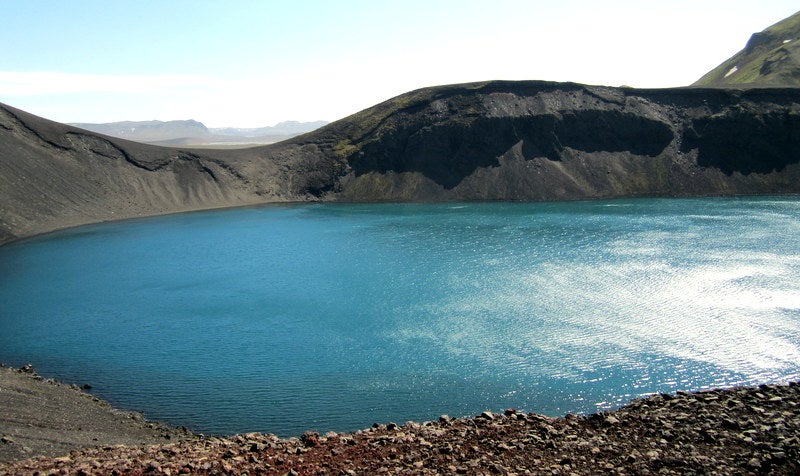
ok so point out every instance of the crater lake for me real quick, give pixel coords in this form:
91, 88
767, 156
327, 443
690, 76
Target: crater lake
331, 317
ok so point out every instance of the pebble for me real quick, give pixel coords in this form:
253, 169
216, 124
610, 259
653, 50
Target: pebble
611, 420
684, 433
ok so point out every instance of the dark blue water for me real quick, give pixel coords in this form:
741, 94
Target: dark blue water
331, 317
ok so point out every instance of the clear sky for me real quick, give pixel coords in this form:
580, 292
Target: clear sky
252, 63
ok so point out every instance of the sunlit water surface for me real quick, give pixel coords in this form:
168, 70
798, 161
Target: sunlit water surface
331, 317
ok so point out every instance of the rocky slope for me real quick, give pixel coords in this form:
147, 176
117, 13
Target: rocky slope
770, 58
736, 431
497, 140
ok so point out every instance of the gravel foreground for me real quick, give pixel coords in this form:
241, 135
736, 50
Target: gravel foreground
745, 430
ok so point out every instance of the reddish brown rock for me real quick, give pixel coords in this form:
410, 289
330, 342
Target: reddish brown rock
631, 440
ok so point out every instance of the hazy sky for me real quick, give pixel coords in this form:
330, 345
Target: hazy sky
254, 63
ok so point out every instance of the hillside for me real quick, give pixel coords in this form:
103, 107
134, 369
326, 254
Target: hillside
533, 140
770, 58
498, 140
54, 176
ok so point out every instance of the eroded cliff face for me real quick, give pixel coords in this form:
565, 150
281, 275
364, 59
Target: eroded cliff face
497, 140
547, 141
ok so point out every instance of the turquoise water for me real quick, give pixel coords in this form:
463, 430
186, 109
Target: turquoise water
331, 317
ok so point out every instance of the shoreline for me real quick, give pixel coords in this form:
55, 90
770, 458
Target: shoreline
71, 225
738, 430
44, 417
67, 226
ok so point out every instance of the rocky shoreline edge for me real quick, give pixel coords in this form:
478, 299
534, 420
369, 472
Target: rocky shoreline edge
740, 430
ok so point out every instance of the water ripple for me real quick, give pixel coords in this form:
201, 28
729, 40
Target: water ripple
283, 319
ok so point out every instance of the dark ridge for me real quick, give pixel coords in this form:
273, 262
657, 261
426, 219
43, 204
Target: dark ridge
31, 130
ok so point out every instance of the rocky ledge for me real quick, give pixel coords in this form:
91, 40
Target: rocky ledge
735, 431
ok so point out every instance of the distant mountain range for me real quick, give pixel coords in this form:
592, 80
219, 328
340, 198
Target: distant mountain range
193, 133
771, 58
